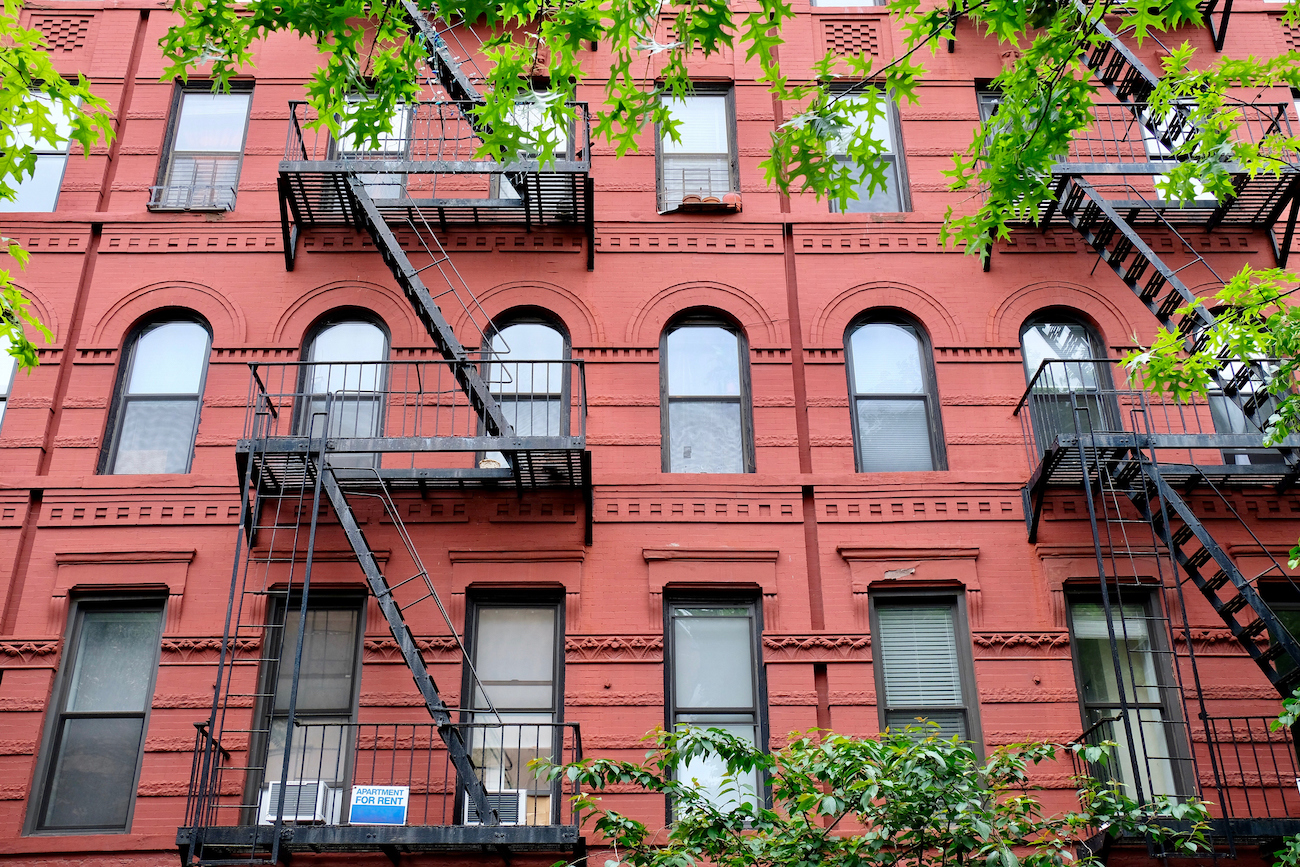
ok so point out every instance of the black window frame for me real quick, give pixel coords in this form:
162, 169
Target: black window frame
167, 153
117, 412
1180, 757
726, 90
955, 602
6, 383
897, 154
930, 397
264, 712
302, 405
51, 739
697, 319
754, 602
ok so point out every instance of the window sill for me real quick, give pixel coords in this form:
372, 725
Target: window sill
727, 203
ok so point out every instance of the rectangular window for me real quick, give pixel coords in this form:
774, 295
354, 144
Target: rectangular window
7, 366
200, 170
699, 169
392, 145
1143, 683
40, 191
892, 198
96, 728
515, 705
923, 665
714, 681
321, 749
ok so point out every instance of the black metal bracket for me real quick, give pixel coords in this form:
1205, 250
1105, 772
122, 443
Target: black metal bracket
1281, 251
1218, 32
288, 230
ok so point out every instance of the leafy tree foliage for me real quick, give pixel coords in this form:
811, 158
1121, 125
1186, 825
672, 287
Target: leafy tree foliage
905, 799
34, 99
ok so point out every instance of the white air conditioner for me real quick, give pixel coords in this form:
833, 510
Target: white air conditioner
304, 801
511, 806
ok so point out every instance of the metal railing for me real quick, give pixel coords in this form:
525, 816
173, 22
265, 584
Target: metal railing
1115, 135
412, 399
1258, 774
189, 197
1065, 396
695, 181
439, 133
330, 759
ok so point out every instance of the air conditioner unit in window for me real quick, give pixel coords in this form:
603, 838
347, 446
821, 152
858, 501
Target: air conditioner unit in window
511, 806
304, 801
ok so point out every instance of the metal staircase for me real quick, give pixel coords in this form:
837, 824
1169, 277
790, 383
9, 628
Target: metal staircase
306, 457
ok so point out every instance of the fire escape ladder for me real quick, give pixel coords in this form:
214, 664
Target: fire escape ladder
1163, 292
444, 65
426, 307
1232, 594
457, 749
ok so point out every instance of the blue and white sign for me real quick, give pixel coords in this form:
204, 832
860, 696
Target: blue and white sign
379, 805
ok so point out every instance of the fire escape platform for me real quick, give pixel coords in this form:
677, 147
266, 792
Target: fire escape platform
380, 838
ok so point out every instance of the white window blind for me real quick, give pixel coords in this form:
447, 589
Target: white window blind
922, 672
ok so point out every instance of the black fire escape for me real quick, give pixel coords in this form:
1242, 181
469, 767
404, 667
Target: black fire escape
1158, 478
349, 441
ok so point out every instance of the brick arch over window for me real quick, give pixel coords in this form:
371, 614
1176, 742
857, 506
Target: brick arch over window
224, 317
833, 320
385, 303
44, 313
1006, 320
648, 321
584, 328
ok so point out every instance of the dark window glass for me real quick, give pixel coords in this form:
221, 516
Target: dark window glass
106, 687
894, 407
158, 407
713, 670
1140, 684
201, 170
700, 164
922, 672
706, 400
884, 129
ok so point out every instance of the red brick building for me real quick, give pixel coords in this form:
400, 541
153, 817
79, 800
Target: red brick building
666, 446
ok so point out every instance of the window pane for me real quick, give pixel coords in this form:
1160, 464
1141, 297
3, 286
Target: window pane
893, 436
115, 662
886, 359
40, 192
713, 659
533, 416
703, 360
329, 649
1097, 664
884, 200
524, 342
212, 122
694, 176
1151, 741
705, 437
951, 723
881, 124
92, 781
918, 648
514, 654
1060, 340
157, 436
702, 128
344, 342
503, 752
707, 771
8, 364
389, 145
317, 753
169, 359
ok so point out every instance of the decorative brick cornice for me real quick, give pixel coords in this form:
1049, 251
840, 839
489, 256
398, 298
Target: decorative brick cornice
207, 648
438, 648
27, 650
1004, 640
613, 648
817, 648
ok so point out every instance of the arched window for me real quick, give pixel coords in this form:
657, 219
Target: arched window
533, 395
704, 379
343, 386
895, 408
1063, 356
156, 405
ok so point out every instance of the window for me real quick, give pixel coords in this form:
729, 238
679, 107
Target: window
706, 424
1146, 686
343, 387
392, 145
714, 681
95, 731
531, 116
923, 666
892, 197
327, 699
1284, 599
700, 169
1158, 151
8, 364
158, 396
201, 167
517, 651
988, 101
895, 410
534, 397
40, 191
1061, 357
